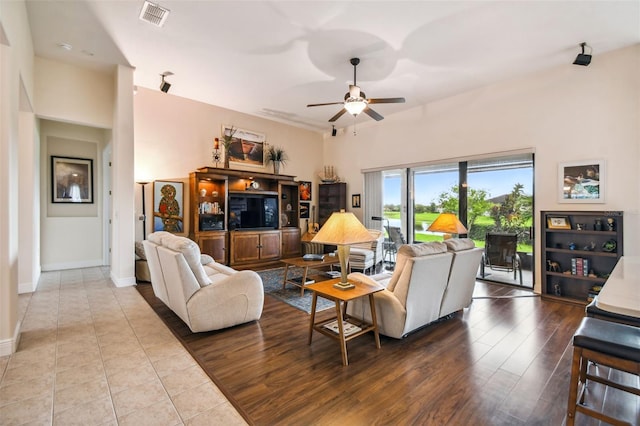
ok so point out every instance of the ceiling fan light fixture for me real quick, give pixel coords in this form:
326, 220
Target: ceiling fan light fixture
355, 106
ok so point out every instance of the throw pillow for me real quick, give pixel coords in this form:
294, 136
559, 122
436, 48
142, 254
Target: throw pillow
205, 259
459, 244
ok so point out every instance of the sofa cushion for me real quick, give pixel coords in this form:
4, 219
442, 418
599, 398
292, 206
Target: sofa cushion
459, 244
139, 250
191, 253
407, 251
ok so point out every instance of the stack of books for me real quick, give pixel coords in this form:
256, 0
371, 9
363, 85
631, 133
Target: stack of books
349, 328
579, 266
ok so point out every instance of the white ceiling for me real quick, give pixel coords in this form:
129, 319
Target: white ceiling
272, 58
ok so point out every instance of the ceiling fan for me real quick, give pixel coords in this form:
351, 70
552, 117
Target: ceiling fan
355, 101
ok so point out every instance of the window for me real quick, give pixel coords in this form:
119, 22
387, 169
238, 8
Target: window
497, 196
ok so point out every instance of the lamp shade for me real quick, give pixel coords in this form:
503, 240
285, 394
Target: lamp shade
447, 223
342, 228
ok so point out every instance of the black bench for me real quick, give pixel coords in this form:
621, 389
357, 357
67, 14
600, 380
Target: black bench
606, 343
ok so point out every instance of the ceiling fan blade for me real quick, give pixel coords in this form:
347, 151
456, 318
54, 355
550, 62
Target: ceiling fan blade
371, 113
330, 103
338, 115
386, 101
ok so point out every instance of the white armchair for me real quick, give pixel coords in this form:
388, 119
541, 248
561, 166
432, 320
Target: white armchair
367, 256
206, 297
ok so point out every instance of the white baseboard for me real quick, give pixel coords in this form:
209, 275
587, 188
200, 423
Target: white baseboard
72, 265
9, 346
27, 287
123, 282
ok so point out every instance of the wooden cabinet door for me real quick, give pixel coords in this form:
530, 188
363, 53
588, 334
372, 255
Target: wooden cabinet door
270, 245
215, 245
245, 247
291, 242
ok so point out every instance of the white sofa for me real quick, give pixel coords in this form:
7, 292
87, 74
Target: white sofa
206, 297
430, 281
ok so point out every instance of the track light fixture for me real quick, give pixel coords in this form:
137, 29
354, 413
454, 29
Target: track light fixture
164, 85
582, 58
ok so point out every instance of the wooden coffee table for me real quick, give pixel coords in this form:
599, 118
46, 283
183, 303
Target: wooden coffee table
326, 290
305, 265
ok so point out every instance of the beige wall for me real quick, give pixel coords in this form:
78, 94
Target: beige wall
71, 94
174, 136
566, 114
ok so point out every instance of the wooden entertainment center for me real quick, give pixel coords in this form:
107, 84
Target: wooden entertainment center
235, 219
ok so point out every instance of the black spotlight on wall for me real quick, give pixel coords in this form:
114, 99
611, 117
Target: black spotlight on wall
333, 131
164, 85
582, 58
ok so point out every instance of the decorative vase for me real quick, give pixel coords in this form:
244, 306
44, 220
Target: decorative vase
276, 167
226, 159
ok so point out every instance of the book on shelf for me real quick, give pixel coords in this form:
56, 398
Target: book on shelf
349, 328
299, 280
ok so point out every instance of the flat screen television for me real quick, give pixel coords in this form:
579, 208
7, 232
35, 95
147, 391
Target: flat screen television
253, 211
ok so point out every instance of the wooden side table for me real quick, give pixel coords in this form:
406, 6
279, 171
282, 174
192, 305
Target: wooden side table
305, 265
342, 297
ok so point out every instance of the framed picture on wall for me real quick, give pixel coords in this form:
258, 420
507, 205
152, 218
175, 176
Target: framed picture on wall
168, 206
355, 201
305, 190
71, 180
581, 182
304, 210
247, 147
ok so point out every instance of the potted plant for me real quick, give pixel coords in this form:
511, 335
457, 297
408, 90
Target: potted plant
227, 140
277, 156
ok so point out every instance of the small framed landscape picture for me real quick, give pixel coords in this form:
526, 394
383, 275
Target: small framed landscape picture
247, 147
581, 182
558, 222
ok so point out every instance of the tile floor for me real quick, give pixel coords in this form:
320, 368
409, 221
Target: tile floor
94, 354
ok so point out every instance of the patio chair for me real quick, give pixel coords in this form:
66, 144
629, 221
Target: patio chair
396, 239
500, 254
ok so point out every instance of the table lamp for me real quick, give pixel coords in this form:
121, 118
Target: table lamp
343, 229
448, 224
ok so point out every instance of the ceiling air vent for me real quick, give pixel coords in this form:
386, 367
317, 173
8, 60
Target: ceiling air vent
153, 14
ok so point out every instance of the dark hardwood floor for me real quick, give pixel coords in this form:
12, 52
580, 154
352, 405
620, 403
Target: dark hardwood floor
503, 361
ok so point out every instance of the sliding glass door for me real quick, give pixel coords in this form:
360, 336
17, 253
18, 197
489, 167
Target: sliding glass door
492, 197
500, 216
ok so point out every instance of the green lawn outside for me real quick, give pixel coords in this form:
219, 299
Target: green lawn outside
430, 217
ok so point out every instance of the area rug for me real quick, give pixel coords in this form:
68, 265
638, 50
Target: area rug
272, 281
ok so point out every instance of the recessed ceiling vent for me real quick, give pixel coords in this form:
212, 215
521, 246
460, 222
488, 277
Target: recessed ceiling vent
154, 13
